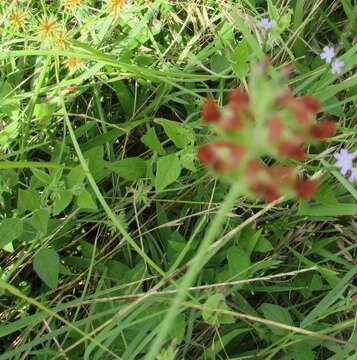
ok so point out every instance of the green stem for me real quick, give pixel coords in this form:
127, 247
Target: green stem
197, 264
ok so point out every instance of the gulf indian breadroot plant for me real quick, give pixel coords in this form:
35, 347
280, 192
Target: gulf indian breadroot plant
268, 123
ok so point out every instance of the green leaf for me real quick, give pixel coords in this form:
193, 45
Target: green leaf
168, 170
217, 301
238, 261
219, 64
263, 245
75, 177
10, 230
96, 163
241, 69
151, 140
28, 200
85, 201
43, 112
339, 209
278, 314
40, 219
42, 176
180, 134
187, 159
125, 97
240, 53
46, 265
63, 199
130, 168
179, 328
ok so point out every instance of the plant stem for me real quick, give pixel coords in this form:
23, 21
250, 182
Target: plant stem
197, 264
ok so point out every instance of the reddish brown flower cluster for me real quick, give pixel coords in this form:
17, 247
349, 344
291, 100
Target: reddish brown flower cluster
290, 124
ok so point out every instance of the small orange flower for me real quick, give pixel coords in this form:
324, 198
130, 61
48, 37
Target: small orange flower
73, 63
115, 5
71, 4
61, 40
47, 28
17, 19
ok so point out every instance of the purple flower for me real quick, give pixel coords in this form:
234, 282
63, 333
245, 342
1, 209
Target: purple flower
337, 66
266, 23
328, 54
353, 176
344, 161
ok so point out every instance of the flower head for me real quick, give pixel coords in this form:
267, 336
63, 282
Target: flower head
344, 161
17, 19
61, 39
328, 54
71, 4
266, 23
47, 28
72, 63
337, 66
115, 5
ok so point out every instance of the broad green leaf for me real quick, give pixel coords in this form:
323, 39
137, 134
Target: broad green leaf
187, 159
130, 168
217, 301
9, 177
125, 97
96, 164
240, 53
180, 134
39, 220
263, 245
46, 265
278, 314
43, 113
238, 261
168, 170
28, 200
219, 64
249, 239
42, 176
75, 177
63, 199
151, 140
10, 230
85, 201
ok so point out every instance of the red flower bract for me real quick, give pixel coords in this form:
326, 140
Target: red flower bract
238, 97
221, 155
311, 103
210, 111
306, 189
296, 152
323, 130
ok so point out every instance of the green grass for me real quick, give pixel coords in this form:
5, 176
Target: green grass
115, 242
